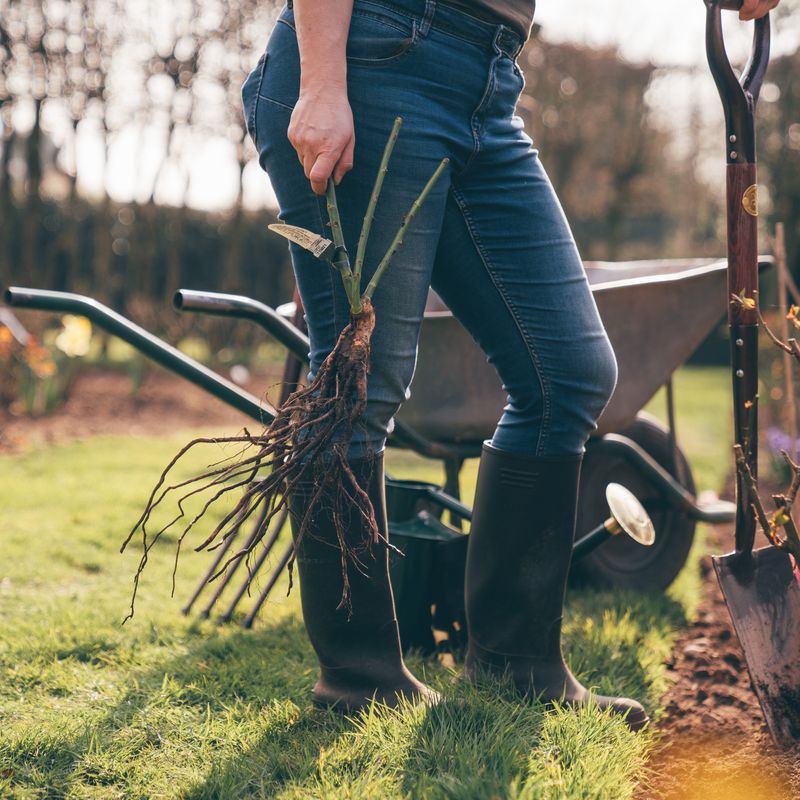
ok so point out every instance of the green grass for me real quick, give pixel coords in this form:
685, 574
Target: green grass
169, 707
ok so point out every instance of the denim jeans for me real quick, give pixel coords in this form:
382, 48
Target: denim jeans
492, 239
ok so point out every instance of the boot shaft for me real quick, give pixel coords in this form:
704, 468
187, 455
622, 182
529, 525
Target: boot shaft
520, 547
358, 647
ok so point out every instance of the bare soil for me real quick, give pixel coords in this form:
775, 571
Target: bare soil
102, 402
714, 741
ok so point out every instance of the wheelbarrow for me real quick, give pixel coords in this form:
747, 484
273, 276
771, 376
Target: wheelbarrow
630, 449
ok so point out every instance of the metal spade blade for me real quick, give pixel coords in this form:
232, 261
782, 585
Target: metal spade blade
762, 592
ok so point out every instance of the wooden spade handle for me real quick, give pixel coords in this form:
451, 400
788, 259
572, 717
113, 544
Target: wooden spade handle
742, 214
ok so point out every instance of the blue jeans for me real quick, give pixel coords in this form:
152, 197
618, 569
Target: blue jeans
492, 238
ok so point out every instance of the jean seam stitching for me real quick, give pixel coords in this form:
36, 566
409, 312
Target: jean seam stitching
526, 338
389, 23
254, 109
447, 31
489, 91
410, 46
278, 103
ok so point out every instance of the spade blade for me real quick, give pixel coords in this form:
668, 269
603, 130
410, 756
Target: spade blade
313, 242
763, 597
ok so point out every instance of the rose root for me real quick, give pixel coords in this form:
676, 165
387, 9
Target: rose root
306, 443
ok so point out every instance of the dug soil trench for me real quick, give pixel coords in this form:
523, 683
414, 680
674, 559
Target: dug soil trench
714, 741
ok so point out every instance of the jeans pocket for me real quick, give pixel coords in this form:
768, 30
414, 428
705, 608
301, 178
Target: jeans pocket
379, 35
250, 92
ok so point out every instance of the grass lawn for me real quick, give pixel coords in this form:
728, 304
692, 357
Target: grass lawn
169, 707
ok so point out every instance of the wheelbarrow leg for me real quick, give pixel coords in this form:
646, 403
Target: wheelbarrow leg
262, 557
452, 473
234, 566
677, 464
291, 379
247, 622
212, 570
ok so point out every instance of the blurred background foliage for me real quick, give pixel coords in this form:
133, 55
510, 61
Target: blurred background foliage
159, 84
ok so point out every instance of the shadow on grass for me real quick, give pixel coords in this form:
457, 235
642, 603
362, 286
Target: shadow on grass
618, 642
245, 677
262, 736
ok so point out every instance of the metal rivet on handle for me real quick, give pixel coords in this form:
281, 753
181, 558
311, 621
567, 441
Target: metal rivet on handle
734, 154
740, 342
732, 138
740, 373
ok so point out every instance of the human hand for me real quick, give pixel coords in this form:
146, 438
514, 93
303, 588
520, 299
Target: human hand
754, 9
321, 131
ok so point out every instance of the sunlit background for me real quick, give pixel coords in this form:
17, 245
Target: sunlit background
126, 170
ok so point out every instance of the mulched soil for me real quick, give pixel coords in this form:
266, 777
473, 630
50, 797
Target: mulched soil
714, 744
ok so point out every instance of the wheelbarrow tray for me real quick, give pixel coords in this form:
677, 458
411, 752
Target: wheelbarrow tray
656, 313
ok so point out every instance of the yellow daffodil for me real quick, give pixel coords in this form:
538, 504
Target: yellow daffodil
75, 337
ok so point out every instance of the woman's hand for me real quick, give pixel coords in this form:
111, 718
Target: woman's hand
321, 131
755, 9
321, 127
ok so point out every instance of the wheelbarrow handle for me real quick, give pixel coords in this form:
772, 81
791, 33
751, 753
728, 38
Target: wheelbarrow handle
241, 307
145, 342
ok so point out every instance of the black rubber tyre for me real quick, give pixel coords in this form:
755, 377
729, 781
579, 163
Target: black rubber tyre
620, 562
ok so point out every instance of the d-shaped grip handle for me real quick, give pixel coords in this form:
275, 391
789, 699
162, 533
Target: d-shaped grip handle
739, 95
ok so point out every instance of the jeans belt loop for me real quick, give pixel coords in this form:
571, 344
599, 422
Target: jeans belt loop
507, 41
427, 17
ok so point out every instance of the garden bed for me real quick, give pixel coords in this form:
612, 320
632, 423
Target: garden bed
101, 401
715, 743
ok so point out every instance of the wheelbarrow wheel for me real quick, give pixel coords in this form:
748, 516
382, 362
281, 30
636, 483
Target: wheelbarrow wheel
620, 562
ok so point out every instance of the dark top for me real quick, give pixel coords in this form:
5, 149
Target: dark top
517, 14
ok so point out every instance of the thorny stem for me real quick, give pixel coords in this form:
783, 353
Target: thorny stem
373, 200
782, 518
336, 223
342, 262
795, 485
783, 346
398, 238
792, 542
791, 346
752, 488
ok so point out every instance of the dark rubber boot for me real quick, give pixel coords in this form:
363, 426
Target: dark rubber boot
360, 657
518, 557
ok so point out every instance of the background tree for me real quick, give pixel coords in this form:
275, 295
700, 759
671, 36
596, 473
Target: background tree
84, 81
608, 159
